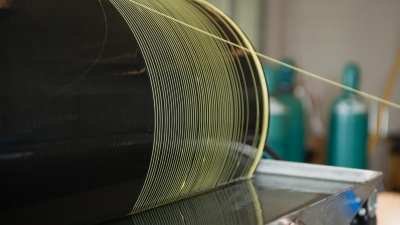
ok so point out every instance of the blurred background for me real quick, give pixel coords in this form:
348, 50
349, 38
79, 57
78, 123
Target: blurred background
356, 43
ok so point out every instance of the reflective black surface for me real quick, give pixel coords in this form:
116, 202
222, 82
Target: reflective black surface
235, 204
265, 199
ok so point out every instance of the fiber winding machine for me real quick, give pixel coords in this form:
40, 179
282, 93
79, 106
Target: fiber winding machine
148, 112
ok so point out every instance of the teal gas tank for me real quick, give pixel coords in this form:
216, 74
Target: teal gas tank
295, 138
349, 125
277, 131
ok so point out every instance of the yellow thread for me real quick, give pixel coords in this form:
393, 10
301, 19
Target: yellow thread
223, 206
277, 61
202, 104
256, 203
255, 155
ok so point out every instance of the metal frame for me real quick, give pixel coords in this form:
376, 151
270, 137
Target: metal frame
346, 190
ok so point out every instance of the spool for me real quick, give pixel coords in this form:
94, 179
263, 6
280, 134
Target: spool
110, 110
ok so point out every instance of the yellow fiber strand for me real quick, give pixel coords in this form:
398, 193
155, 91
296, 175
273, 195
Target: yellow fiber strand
277, 61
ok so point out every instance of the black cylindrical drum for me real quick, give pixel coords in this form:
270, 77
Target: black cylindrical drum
111, 107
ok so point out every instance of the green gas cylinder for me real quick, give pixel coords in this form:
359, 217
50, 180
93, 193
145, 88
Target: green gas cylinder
296, 137
349, 125
277, 130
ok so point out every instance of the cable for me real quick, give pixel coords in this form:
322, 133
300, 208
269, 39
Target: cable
272, 153
276, 61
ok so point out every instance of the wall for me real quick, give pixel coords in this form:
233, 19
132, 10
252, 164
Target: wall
248, 14
323, 35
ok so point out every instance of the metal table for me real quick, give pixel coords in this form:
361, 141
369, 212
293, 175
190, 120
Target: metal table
279, 193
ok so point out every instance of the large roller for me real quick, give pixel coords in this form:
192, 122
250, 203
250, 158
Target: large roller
108, 108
